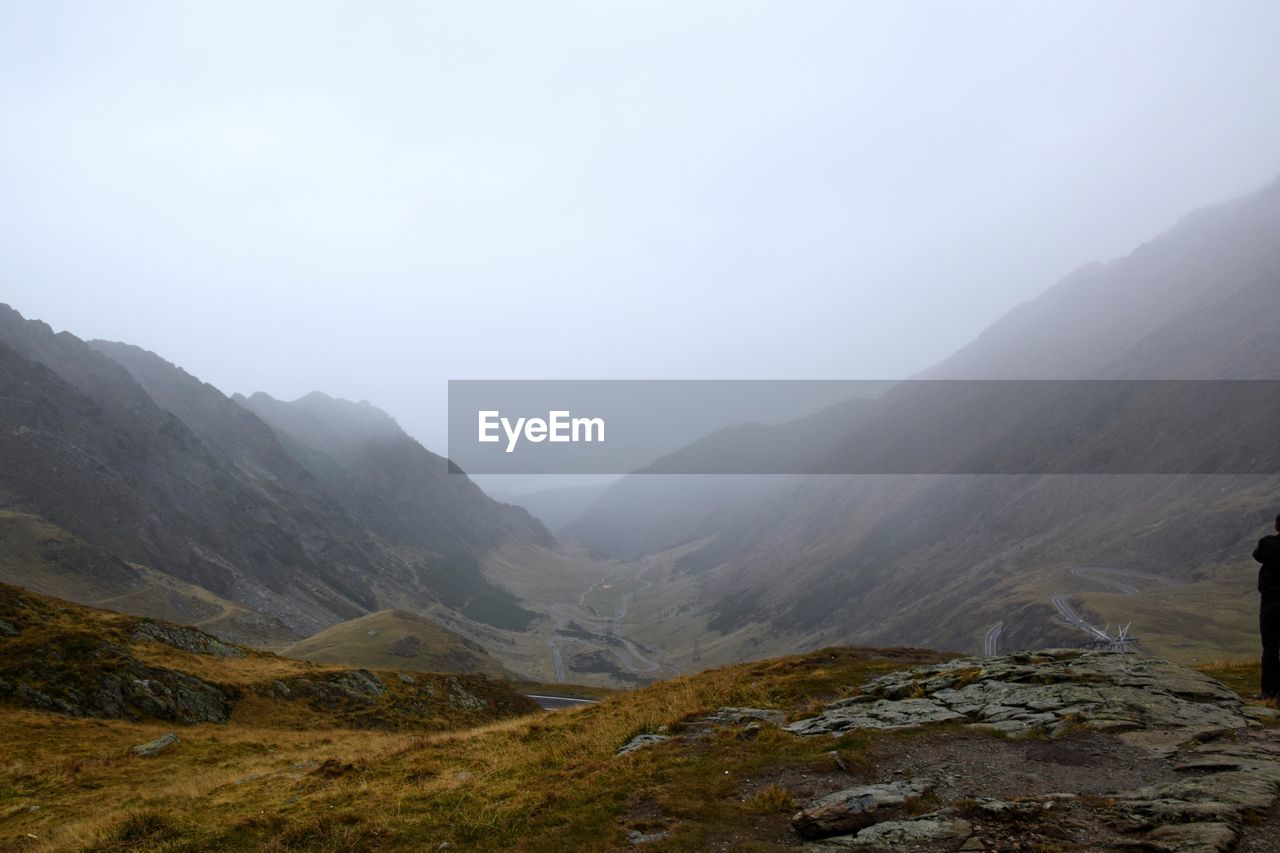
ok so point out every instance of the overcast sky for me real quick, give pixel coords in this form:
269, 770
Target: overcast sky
371, 198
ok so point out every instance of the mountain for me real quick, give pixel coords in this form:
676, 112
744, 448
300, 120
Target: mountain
81, 662
394, 639
306, 514
1156, 313
46, 559
760, 565
558, 507
393, 486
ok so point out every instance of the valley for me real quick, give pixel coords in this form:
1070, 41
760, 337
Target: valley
1066, 748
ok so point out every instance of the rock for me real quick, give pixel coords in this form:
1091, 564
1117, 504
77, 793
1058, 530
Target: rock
351, 690
854, 808
7, 629
406, 678
461, 698
1194, 836
926, 833
882, 714
641, 741
1046, 692
638, 837
187, 640
738, 716
157, 746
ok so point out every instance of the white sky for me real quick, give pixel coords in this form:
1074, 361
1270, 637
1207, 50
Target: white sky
371, 198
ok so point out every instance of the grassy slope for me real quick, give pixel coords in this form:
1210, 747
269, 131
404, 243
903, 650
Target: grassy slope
1190, 623
395, 639
542, 782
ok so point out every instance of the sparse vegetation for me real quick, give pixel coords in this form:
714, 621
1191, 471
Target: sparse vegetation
538, 782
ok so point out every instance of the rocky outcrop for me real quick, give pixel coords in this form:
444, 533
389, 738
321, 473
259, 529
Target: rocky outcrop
855, 808
752, 720
1223, 764
1047, 691
186, 639
101, 679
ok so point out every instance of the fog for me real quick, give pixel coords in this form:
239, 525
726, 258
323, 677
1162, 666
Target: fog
370, 199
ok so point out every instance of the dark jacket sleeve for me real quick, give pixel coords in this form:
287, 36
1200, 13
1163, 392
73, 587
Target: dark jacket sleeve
1257, 552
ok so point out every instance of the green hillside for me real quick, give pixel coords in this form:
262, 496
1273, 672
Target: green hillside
394, 639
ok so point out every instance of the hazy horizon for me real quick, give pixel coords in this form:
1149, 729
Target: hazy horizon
305, 197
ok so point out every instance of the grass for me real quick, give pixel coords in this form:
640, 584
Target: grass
395, 639
1192, 623
540, 782
1242, 676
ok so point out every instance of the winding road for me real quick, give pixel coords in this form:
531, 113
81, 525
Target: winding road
991, 643
1068, 615
556, 703
602, 631
1121, 580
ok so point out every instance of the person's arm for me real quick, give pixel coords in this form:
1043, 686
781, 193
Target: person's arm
1257, 552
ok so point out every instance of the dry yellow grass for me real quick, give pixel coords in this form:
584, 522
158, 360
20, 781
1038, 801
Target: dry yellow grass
543, 782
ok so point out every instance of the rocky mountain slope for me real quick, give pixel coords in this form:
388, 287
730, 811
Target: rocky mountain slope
310, 514
72, 660
784, 563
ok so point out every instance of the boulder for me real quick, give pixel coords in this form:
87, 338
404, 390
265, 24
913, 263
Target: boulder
153, 748
854, 808
925, 833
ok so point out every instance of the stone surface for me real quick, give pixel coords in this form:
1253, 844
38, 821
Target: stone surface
7, 629
926, 833
1043, 691
157, 746
640, 742
1223, 762
854, 808
739, 716
187, 639
638, 837
1199, 837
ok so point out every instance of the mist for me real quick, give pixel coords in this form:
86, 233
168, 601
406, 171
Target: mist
296, 196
